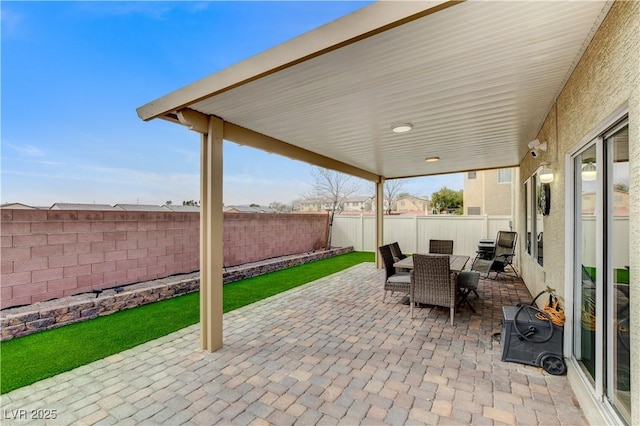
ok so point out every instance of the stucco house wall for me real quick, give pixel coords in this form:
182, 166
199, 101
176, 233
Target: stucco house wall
412, 204
605, 80
485, 192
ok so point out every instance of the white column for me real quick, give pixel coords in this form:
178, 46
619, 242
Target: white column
379, 219
211, 228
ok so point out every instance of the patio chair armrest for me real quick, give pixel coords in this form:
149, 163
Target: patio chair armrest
504, 256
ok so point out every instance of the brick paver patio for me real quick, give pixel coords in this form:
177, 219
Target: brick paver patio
329, 352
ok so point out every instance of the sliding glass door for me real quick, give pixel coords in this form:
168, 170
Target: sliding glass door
601, 267
586, 246
617, 264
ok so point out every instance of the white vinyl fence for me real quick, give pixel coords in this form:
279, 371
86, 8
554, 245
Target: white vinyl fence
414, 232
619, 256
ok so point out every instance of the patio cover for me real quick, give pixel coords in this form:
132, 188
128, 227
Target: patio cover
475, 79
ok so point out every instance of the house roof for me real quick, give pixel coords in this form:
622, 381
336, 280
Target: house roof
181, 208
81, 206
475, 79
139, 208
358, 199
249, 209
413, 197
18, 206
314, 200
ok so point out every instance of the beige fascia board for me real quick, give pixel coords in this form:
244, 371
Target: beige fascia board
440, 173
364, 23
247, 137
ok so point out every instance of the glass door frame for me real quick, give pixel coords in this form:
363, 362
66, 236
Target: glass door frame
609, 391
574, 281
597, 388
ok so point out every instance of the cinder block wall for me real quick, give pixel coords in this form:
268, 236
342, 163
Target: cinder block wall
249, 237
49, 254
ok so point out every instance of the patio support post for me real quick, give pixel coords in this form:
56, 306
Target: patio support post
211, 229
379, 219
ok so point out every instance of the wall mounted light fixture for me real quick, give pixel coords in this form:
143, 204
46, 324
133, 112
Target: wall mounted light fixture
546, 174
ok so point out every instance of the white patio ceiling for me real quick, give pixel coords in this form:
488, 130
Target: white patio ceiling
476, 79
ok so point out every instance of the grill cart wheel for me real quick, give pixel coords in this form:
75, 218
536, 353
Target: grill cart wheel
553, 364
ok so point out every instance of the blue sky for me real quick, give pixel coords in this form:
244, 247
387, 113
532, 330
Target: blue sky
73, 74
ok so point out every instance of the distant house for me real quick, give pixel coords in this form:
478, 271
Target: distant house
249, 209
181, 208
413, 204
620, 203
18, 206
357, 204
139, 208
315, 205
81, 206
489, 192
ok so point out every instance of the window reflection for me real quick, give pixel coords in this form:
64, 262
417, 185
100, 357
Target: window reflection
602, 270
527, 203
618, 219
539, 221
585, 203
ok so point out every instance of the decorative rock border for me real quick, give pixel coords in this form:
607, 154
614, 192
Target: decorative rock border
254, 269
20, 321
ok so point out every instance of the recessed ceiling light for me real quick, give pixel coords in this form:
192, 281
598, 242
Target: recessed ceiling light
401, 128
431, 159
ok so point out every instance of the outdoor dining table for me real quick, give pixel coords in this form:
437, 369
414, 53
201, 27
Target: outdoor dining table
456, 262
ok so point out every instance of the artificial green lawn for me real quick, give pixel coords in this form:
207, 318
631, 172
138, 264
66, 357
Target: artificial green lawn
31, 358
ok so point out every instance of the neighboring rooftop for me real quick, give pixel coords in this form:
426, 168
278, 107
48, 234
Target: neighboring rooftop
249, 209
80, 206
18, 206
180, 208
139, 208
89, 206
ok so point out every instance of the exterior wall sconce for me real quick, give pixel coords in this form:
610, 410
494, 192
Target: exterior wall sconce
589, 172
546, 174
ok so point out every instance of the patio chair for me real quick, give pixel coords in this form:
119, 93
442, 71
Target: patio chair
394, 280
441, 246
467, 282
396, 252
432, 282
398, 255
505, 250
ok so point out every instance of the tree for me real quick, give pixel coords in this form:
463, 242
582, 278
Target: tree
168, 203
446, 199
392, 191
279, 207
621, 187
333, 187
191, 203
